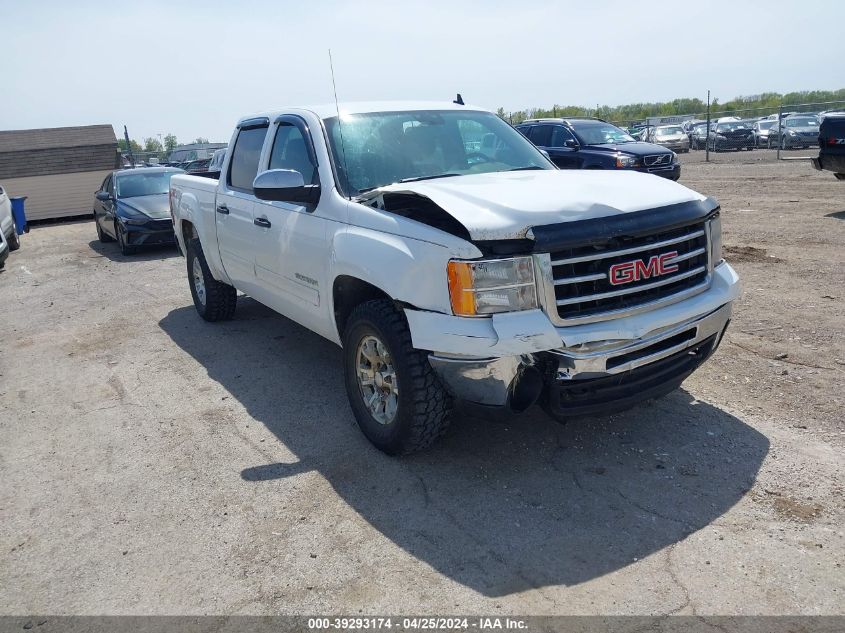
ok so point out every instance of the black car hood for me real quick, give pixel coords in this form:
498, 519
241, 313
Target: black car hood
156, 207
637, 149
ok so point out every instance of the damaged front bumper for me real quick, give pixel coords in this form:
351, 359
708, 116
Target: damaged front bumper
510, 360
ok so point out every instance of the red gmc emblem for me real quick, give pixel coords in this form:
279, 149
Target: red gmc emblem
638, 269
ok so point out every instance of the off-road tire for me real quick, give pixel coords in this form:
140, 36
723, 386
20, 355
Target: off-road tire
221, 299
14, 239
424, 409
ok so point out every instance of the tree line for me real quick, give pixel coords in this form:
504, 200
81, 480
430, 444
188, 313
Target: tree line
765, 103
154, 146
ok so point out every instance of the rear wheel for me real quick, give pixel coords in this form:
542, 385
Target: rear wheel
214, 300
397, 399
14, 239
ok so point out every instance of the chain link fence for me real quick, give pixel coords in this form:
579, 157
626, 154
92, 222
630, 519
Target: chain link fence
787, 132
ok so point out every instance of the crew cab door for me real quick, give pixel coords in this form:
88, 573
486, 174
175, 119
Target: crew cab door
236, 232
291, 253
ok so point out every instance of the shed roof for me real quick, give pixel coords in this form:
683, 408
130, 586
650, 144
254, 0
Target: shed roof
56, 137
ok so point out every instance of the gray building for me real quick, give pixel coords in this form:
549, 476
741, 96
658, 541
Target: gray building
58, 169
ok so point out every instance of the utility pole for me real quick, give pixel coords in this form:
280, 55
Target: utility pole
707, 142
780, 127
129, 146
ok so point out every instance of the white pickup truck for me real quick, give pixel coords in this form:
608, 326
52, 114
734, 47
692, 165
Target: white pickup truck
454, 263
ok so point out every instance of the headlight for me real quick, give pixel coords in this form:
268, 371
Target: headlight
792, 133
674, 157
490, 286
722, 136
624, 160
716, 240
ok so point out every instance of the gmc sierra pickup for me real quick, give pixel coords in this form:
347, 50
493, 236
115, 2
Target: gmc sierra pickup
452, 261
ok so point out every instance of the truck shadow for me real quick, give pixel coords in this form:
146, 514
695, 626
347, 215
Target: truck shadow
498, 507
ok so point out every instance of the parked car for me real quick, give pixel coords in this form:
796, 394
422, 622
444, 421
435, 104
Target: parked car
796, 131
689, 126
132, 207
595, 144
761, 130
832, 145
731, 135
7, 221
669, 136
217, 158
698, 139
201, 164
446, 272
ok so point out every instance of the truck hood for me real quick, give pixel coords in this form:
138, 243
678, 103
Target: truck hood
506, 205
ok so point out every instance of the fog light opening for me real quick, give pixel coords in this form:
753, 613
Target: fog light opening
526, 389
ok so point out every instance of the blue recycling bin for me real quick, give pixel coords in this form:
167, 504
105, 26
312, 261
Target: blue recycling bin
19, 214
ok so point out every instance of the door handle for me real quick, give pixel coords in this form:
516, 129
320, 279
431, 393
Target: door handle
222, 209
264, 223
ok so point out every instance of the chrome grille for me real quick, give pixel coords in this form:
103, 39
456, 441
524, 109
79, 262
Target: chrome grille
654, 160
582, 285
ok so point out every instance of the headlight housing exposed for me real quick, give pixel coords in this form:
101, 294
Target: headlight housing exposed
481, 287
625, 160
716, 239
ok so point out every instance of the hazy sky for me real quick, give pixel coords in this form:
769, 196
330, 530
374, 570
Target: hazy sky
194, 67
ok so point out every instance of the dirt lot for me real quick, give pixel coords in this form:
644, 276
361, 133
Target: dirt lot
154, 463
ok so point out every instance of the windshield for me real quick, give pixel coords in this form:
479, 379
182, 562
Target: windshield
766, 125
597, 133
382, 148
700, 129
803, 121
666, 130
730, 127
134, 185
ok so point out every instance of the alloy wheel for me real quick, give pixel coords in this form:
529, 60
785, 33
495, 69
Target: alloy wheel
377, 381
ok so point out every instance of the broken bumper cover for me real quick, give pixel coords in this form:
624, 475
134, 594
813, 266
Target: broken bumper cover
489, 359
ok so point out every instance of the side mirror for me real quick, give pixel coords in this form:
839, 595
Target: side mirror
285, 185
545, 153
571, 143
104, 196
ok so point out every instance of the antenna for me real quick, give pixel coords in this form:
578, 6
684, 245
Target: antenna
459, 100
339, 126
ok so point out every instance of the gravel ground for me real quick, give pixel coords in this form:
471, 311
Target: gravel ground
152, 463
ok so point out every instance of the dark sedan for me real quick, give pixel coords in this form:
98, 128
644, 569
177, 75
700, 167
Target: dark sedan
731, 135
796, 131
133, 207
698, 136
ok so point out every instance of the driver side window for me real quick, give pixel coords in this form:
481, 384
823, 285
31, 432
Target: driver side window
290, 151
560, 135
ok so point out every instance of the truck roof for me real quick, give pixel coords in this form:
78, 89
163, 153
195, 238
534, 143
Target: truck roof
328, 110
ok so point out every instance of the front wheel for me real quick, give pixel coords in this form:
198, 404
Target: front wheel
214, 300
14, 239
397, 399
123, 240
101, 234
